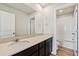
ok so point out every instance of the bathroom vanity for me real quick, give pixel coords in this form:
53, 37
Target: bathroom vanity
41, 49
39, 45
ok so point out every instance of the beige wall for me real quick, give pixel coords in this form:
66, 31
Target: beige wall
20, 19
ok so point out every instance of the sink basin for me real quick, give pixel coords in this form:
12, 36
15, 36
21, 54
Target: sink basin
7, 43
24, 40
18, 44
20, 39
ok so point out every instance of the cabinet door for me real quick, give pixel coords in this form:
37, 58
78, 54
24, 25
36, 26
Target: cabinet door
32, 51
42, 51
42, 48
35, 53
47, 49
26, 52
48, 46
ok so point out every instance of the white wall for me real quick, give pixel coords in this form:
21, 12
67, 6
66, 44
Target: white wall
48, 22
45, 22
64, 31
48, 19
39, 22
20, 19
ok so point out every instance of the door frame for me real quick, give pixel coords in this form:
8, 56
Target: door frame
77, 29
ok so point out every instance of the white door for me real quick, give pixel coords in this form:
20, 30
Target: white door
71, 32
7, 24
77, 41
74, 33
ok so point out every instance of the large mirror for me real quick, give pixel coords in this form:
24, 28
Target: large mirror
20, 21
7, 24
12, 25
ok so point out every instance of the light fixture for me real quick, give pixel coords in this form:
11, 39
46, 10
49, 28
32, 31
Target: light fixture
61, 11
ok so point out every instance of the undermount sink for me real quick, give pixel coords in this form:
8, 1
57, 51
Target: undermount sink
24, 40
19, 39
7, 43
11, 43
18, 43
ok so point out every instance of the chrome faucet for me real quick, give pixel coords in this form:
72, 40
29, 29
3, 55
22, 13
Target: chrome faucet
16, 40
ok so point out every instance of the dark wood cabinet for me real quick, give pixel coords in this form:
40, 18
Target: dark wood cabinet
48, 46
34, 54
34, 50
27, 52
42, 49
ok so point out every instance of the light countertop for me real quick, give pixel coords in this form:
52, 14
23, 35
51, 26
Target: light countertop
10, 48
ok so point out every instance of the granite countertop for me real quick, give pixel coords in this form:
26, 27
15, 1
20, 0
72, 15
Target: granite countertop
11, 47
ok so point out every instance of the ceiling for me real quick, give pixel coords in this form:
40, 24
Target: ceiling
45, 4
22, 7
67, 10
29, 8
